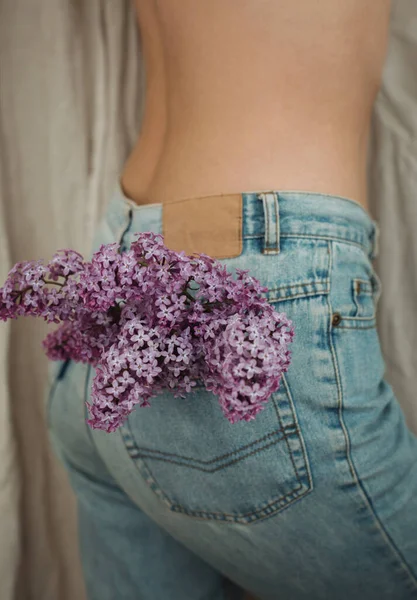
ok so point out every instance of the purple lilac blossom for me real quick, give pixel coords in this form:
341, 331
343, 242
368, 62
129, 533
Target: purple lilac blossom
150, 319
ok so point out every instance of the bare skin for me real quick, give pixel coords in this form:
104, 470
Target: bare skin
247, 95
141, 164
251, 95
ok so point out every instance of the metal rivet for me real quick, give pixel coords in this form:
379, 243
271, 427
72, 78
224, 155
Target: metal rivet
337, 317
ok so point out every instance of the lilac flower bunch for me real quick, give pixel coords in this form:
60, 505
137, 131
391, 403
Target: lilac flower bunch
149, 319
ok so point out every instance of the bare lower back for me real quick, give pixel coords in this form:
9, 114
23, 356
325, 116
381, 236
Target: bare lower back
249, 95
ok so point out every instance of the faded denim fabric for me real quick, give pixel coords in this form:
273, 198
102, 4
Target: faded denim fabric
316, 499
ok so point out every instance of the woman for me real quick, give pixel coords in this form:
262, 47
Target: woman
253, 150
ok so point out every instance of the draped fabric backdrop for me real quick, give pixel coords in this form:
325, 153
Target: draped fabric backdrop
71, 97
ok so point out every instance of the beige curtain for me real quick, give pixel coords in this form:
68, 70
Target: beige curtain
393, 187
70, 94
71, 90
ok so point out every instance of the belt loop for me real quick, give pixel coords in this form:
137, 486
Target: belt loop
272, 228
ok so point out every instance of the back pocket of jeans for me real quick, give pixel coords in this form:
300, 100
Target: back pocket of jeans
201, 465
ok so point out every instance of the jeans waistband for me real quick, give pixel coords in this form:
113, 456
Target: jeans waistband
271, 215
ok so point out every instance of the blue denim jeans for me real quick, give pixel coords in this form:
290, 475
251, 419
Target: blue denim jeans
316, 498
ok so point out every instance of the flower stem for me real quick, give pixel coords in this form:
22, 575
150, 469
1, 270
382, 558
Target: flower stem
54, 282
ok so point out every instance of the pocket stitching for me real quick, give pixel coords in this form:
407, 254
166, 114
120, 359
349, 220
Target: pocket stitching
358, 328
142, 453
358, 323
308, 288
366, 287
373, 290
266, 509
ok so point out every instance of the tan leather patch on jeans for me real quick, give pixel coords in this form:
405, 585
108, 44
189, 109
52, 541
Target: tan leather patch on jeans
211, 225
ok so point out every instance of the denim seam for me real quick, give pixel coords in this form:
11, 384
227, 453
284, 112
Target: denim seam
277, 225
270, 246
276, 505
266, 209
337, 373
366, 284
318, 286
277, 299
355, 300
246, 518
358, 318
358, 323
256, 515
243, 519
364, 292
288, 447
220, 467
142, 450
300, 434
362, 288
355, 476
141, 466
353, 328
302, 283
314, 236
